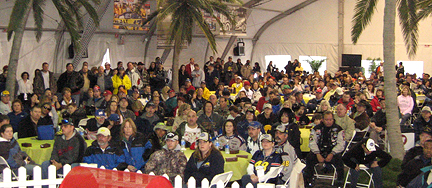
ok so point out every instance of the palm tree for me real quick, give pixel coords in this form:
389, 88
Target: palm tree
69, 11
410, 13
184, 14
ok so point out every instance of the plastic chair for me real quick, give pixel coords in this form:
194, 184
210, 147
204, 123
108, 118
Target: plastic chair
362, 168
225, 177
323, 176
83, 122
272, 173
4, 162
295, 173
15, 135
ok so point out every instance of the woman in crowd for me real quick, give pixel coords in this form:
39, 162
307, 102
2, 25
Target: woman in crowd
210, 120
324, 106
205, 162
286, 119
67, 98
121, 79
256, 68
243, 124
370, 91
17, 114
136, 147
112, 108
181, 117
183, 75
375, 103
196, 104
405, 104
25, 88
230, 137
12, 153
152, 68
115, 98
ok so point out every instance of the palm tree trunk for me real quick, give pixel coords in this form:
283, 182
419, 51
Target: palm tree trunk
175, 66
15, 52
392, 113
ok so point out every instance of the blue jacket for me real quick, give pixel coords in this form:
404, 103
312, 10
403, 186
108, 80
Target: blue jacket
137, 150
15, 119
112, 157
10, 150
420, 180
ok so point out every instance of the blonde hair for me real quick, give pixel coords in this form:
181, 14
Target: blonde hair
324, 102
182, 108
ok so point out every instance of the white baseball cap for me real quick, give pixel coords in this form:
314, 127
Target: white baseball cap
370, 145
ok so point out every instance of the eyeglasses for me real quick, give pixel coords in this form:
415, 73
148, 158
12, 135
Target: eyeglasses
47, 108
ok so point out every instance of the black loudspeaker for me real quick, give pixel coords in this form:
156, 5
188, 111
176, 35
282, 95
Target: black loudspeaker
352, 60
71, 51
239, 49
351, 70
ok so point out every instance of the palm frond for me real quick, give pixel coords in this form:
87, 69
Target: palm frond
17, 16
70, 23
91, 11
364, 10
38, 17
425, 9
200, 22
74, 8
407, 11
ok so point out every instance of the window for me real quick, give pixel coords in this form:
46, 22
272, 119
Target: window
304, 60
106, 58
412, 67
279, 61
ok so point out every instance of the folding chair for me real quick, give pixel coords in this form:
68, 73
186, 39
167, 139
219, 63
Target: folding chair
295, 174
362, 168
4, 162
272, 173
323, 176
225, 177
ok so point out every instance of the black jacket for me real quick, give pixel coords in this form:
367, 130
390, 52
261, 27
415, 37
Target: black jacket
413, 171
73, 80
211, 166
293, 136
411, 154
92, 124
356, 155
27, 128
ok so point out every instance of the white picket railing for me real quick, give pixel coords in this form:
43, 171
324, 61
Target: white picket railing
53, 181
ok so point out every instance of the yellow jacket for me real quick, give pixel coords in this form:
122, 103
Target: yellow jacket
117, 81
237, 87
206, 93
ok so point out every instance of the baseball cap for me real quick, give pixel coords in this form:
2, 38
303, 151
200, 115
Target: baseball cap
140, 63
107, 92
104, 131
171, 136
66, 122
266, 137
203, 82
171, 90
251, 110
239, 77
96, 87
247, 83
100, 112
362, 103
188, 80
319, 90
370, 145
427, 109
267, 105
150, 104
114, 117
160, 125
123, 98
285, 87
281, 128
339, 91
122, 90
4, 93
255, 124
204, 136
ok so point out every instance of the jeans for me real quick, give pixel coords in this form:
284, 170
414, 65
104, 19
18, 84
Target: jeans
246, 179
376, 177
405, 117
45, 166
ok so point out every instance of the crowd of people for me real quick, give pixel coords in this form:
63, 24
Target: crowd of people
138, 122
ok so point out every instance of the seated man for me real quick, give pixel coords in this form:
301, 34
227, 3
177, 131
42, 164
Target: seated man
169, 160
124, 111
190, 130
326, 145
158, 135
95, 123
287, 151
75, 113
342, 119
415, 165
68, 149
104, 153
417, 150
254, 131
28, 126
148, 119
422, 122
262, 161
366, 152
378, 122
360, 117
45, 118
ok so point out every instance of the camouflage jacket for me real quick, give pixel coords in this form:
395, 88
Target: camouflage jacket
170, 162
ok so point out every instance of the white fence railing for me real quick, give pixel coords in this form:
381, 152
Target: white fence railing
52, 182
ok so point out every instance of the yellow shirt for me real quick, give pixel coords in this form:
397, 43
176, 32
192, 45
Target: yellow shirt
206, 93
237, 87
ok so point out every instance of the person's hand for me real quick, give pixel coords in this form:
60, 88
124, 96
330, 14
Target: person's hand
374, 164
357, 168
320, 158
131, 168
27, 160
329, 157
56, 164
372, 125
378, 129
254, 178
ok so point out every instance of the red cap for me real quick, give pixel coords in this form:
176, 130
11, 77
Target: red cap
319, 90
96, 87
246, 83
107, 92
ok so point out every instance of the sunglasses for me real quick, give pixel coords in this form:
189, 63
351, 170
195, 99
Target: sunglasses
47, 108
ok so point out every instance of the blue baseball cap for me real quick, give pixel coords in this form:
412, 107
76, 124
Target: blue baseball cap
114, 117
100, 112
255, 124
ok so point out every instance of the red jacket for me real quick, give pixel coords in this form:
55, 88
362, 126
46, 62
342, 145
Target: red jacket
375, 103
191, 87
261, 103
349, 105
189, 70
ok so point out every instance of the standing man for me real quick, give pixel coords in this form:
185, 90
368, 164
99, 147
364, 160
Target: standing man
103, 81
326, 144
144, 76
73, 80
229, 69
5, 104
198, 76
133, 75
108, 71
48, 78
190, 67
366, 153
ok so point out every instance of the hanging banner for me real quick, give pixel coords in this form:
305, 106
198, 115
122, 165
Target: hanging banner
129, 15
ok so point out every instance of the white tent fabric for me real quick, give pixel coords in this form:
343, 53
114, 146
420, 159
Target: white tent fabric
312, 31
